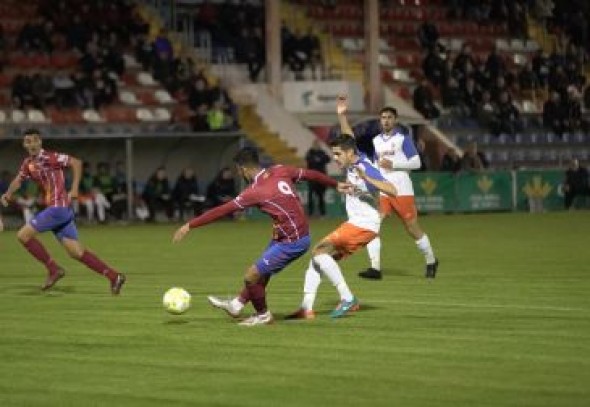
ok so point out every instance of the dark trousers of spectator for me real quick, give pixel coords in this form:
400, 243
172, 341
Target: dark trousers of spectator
190, 207
254, 68
572, 194
316, 191
65, 97
296, 64
119, 205
158, 202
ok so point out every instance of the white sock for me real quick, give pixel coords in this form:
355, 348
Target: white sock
424, 246
331, 269
236, 304
374, 250
310, 287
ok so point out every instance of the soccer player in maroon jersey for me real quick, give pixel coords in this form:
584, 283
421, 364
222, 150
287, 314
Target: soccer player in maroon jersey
273, 192
46, 168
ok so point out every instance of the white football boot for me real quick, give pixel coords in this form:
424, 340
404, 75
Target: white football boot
258, 319
224, 305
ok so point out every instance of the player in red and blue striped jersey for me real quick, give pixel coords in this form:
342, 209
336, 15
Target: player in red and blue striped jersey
272, 191
46, 168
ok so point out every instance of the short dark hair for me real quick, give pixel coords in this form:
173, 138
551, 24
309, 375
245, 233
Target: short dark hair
344, 141
247, 157
389, 109
31, 132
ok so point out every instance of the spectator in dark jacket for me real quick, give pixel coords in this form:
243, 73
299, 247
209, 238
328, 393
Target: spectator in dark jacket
222, 189
157, 194
451, 97
527, 78
495, 65
427, 35
555, 115
424, 102
508, 115
451, 162
473, 160
576, 183
187, 194
317, 159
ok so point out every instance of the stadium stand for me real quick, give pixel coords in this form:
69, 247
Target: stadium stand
59, 67
491, 48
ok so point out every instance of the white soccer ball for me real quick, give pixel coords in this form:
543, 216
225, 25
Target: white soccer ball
176, 300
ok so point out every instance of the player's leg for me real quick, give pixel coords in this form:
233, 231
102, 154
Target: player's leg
406, 210
255, 283
42, 222
374, 246
349, 239
324, 260
311, 283
68, 237
234, 306
274, 259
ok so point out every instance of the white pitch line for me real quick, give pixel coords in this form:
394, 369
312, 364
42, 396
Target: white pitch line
467, 305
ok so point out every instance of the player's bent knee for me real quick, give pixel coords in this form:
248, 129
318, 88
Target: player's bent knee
25, 234
75, 253
322, 248
252, 275
73, 248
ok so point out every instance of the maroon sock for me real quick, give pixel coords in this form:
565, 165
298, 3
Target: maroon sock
39, 252
244, 295
93, 262
258, 296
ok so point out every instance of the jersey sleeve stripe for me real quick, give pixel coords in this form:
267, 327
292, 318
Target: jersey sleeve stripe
237, 203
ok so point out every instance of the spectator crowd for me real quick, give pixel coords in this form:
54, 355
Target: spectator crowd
97, 35
485, 89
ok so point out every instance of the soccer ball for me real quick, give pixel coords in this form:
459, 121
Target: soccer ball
176, 300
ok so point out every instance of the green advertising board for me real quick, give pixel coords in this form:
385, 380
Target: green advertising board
544, 185
466, 192
434, 191
484, 191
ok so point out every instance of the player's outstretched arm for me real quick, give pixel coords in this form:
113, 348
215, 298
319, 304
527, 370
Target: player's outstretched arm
381, 184
207, 217
317, 176
341, 109
12, 188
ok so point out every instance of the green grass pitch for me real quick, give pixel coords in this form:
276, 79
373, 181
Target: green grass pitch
506, 323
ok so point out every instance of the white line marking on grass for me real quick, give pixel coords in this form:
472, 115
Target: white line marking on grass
474, 305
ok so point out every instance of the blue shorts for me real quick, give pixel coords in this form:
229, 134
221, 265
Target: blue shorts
279, 254
57, 219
